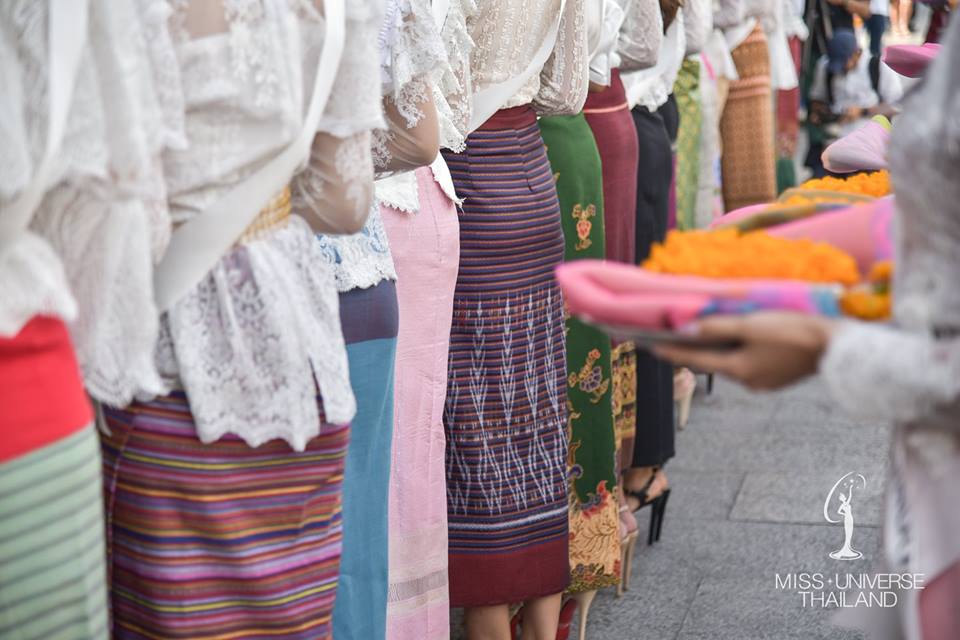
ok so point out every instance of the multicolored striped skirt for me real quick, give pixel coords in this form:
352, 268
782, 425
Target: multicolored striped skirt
594, 512
506, 408
746, 126
52, 577
219, 540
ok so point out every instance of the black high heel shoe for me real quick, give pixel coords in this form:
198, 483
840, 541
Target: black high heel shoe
658, 506
656, 516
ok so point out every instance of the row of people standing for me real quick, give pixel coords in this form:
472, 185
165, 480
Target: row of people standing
355, 407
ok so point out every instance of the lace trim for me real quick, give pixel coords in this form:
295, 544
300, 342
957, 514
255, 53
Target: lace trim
251, 343
32, 282
399, 192
361, 260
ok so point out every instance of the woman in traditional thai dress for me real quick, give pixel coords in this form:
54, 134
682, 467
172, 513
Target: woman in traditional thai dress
420, 217
223, 496
82, 217
506, 413
363, 265
905, 371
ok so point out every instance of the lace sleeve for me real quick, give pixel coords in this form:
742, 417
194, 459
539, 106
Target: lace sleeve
411, 55
354, 103
882, 372
729, 14
697, 24
641, 35
566, 74
453, 90
411, 139
336, 187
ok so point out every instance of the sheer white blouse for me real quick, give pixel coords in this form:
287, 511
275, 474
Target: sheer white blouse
88, 256
506, 35
651, 87
253, 341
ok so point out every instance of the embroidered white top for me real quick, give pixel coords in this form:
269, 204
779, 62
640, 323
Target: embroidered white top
411, 57
507, 34
88, 256
651, 87
254, 340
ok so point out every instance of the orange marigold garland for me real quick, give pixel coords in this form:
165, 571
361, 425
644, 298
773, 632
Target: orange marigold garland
875, 184
727, 253
872, 300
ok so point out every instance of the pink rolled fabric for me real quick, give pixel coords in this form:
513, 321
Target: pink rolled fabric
865, 231
910, 60
864, 149
737, 215
628, 296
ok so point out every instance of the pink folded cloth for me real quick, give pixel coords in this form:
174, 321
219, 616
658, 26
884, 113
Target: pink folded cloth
865, 231
623, 295
864, 149
910, 60
737, 215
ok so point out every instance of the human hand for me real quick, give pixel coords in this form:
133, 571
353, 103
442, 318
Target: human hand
851, 114
776, 348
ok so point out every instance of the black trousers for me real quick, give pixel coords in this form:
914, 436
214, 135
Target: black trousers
654, 443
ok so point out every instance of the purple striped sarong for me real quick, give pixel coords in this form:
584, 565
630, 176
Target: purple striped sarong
219, 540
506, 408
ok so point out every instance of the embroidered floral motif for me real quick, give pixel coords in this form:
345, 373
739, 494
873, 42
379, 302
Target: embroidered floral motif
582, 216
590, 378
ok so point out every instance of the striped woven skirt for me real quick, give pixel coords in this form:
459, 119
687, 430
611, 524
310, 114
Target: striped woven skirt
506, 408
746, 126
219, 540
52, 578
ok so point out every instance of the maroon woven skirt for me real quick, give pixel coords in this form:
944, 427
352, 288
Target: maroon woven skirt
505, 414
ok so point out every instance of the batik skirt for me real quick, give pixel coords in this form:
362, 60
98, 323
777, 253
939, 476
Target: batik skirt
594, 512
426, 247
506, 407
223, 539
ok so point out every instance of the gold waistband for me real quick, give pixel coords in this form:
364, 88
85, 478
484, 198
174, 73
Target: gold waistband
274, 215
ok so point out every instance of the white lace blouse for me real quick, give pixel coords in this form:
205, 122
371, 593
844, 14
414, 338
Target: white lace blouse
507, 33
909, 371
89, 254
255, 339
411, 63
651, 87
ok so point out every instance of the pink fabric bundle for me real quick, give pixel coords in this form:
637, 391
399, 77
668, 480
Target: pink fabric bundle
862, 150
910, 60
627, 296
620, 295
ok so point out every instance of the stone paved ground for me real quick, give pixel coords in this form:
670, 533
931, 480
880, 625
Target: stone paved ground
749, 482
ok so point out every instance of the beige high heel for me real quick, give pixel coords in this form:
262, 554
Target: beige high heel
628, 541
584, 600
684, 386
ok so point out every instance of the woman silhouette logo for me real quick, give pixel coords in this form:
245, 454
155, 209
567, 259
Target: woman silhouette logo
844, 509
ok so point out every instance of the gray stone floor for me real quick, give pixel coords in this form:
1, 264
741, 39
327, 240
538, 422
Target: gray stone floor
749, 482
